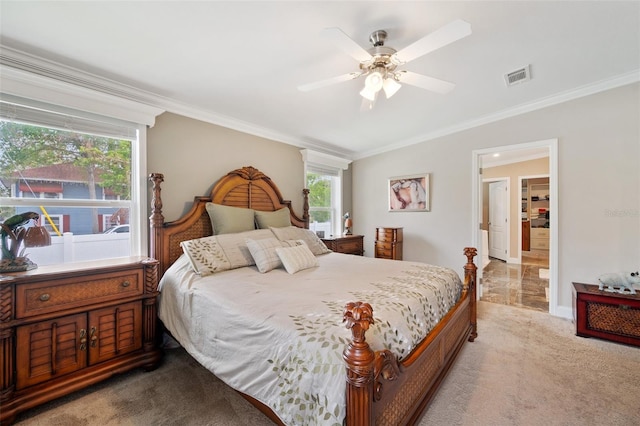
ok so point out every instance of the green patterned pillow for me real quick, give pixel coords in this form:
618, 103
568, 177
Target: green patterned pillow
206, 255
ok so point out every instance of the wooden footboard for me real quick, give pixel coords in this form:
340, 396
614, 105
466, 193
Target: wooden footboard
383, 391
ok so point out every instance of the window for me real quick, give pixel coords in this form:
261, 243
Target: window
323, 174
76, 170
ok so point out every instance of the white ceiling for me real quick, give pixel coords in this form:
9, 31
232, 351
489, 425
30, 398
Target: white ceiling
238, 64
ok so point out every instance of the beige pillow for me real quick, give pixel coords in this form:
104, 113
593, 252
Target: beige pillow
296, 258
278, 219
264, 253
314, 243
228, 220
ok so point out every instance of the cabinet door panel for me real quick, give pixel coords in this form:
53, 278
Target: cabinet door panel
49, 349
114, 331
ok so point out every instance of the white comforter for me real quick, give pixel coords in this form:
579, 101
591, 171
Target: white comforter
279, 337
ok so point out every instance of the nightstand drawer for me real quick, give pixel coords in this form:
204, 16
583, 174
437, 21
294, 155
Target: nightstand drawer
51, 296
350, 246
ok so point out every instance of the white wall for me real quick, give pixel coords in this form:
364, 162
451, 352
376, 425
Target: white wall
598, 184
193, 155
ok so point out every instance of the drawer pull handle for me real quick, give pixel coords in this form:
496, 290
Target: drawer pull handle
83, 340
126, 284
44, 297
94, 338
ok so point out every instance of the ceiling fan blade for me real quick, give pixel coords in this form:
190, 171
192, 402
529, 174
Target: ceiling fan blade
441, 37
424, 82
329, 81
344, 42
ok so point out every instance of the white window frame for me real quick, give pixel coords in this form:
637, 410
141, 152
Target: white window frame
317, 161
45, 81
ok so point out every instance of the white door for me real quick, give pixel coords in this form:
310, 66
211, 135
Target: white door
498, 220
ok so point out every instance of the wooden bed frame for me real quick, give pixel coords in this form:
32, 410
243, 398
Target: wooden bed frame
380, 389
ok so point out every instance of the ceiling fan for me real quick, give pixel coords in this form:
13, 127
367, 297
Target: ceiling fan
380, 64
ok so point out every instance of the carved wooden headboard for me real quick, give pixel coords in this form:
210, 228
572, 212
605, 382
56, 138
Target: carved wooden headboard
247, 187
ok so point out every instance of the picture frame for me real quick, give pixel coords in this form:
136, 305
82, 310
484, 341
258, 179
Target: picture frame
409, 193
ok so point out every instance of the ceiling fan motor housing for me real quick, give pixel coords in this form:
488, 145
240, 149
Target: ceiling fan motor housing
381, 56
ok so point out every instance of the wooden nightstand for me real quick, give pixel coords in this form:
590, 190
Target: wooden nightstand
349, 244
65, 327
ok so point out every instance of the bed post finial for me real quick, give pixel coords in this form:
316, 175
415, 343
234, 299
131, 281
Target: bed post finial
156, 220
360, 361
470, 270
305, 207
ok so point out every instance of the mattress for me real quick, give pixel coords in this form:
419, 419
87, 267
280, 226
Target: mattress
279, 337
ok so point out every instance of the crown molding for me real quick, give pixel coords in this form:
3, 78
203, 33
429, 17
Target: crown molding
28, 76
586, 90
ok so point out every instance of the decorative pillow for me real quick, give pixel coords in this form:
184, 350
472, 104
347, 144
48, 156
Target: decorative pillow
264, 253
314, 243
296, 258
228, 220
278, 219
235, 246
293, 243
205, 255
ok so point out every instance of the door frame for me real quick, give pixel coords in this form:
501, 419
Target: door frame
476, 211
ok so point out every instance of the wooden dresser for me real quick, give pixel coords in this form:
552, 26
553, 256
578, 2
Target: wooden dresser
65, 327
349, 244
388, 244
610, 316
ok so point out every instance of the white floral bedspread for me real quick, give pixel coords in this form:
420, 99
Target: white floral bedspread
279, 337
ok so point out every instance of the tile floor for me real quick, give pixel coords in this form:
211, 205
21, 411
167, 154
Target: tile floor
518, 284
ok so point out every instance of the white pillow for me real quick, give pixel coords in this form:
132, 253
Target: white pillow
296, 258
235, 246
205, 255
314, 243
264, 253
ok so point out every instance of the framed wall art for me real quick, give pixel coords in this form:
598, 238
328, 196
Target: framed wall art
409, 193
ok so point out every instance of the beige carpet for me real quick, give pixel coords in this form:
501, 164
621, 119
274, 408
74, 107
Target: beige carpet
525, 368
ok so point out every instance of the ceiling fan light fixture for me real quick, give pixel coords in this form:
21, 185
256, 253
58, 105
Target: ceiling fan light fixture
369, 94
390, 87
374, 81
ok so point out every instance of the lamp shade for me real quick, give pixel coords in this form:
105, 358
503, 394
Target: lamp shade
390, 87
37, 236
374, 81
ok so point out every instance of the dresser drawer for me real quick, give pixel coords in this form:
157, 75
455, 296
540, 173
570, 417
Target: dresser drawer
384, 250
539, 232
539, 243
389, 234
52, 296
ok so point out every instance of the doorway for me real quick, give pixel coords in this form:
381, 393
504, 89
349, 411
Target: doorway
529, 268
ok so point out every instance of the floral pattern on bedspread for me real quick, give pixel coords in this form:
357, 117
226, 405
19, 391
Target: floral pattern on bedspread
406, 307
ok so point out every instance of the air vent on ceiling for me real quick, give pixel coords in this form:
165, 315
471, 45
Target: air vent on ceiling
518, 76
